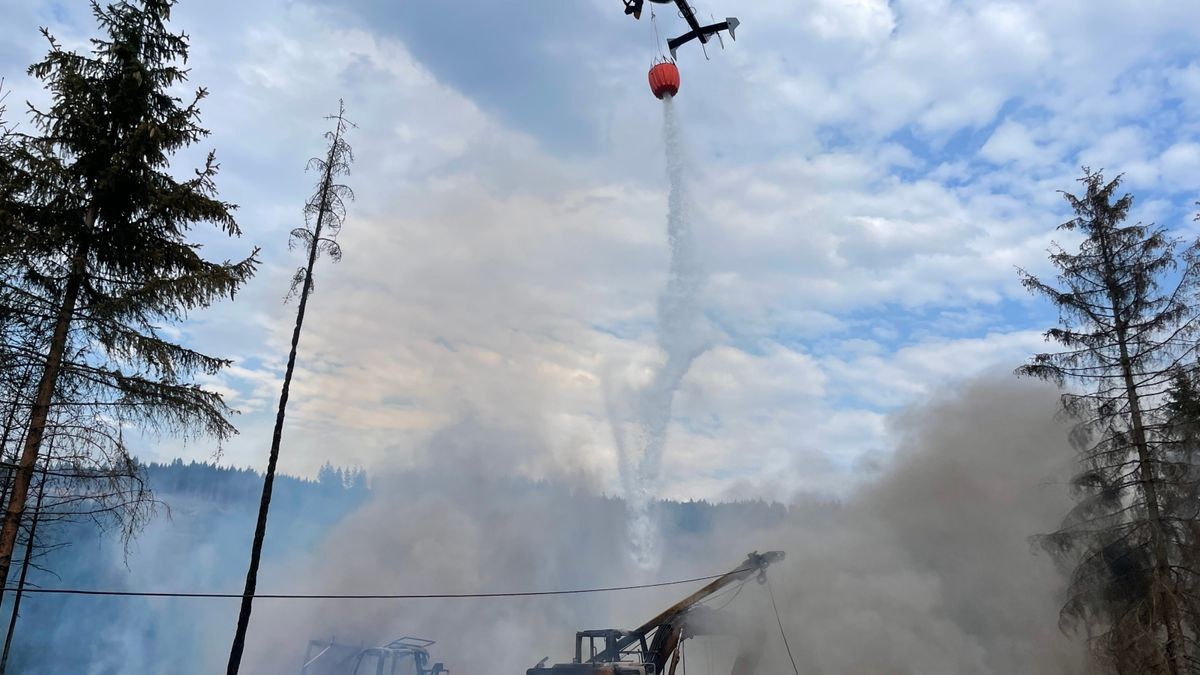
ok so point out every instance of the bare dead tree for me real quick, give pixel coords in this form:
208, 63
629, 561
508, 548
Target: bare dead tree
324, 213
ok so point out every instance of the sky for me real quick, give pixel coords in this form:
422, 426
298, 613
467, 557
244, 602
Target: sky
867, 176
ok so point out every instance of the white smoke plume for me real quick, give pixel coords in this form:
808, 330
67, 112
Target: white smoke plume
928, 570
640, 415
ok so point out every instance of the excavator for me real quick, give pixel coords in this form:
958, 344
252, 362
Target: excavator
404, 656
647, 649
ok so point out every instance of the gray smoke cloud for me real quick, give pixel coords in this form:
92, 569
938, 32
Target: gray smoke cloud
928, 569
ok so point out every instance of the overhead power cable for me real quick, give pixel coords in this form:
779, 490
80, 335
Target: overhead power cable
366, 596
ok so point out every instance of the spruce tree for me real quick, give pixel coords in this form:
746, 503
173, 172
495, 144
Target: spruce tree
97, 241
323, 214
1123, 341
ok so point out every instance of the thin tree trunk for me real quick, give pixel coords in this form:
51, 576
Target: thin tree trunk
10, 420
16, 610
260, 529
10, 423
40, 410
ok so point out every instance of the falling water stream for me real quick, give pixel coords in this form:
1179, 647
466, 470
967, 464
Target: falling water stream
640, 421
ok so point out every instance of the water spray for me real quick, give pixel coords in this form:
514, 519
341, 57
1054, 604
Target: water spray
641, 429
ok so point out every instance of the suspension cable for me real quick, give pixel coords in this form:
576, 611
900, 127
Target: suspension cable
658, 46
780, 622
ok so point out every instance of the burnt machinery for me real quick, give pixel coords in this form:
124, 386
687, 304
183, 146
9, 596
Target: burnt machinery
405, 656
646, 650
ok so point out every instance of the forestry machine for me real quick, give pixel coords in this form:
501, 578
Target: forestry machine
406, 656
645, 650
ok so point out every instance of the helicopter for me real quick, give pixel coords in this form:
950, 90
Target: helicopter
688, 13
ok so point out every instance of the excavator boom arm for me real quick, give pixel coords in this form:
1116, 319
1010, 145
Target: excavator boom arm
655, 641
756, 563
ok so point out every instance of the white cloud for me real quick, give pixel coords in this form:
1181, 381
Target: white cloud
1180, 166
889, 379
488, 275
1012, 142
866, 22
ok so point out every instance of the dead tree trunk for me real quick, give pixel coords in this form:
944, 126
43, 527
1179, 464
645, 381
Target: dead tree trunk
16, 609
328, 210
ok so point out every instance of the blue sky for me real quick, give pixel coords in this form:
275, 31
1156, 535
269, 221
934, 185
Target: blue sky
867, 175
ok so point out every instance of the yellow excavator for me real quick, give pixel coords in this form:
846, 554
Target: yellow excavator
646, 650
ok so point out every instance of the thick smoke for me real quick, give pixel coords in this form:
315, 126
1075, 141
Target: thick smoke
926, 570
462, 523
641, 415
930, 570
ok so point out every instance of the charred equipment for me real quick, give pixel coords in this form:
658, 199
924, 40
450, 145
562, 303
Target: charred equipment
646, 650
405, 656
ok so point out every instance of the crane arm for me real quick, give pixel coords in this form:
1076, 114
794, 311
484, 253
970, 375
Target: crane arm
756, 563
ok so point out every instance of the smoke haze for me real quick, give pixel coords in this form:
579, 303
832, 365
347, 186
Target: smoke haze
930, 570
926, 570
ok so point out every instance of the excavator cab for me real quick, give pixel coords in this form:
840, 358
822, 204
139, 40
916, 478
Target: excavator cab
405, 656
591, 643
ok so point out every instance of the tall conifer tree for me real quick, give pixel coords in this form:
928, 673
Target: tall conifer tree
98, 240
1130, 541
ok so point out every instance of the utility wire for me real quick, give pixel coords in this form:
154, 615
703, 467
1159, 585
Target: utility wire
711, 599
396, 596
736, 592
781, 631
